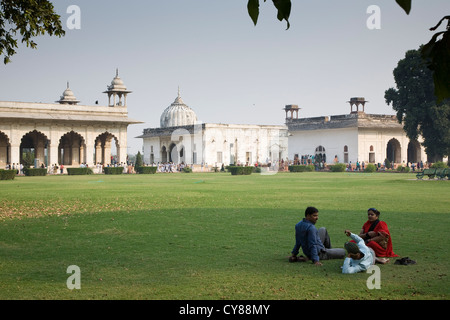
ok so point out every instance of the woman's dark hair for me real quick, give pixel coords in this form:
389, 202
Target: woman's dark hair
310, 210
374, 211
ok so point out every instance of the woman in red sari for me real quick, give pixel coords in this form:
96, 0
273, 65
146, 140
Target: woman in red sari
376, 235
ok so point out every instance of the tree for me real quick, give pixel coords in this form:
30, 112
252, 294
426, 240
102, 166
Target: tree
29, 18
416, 105
28, 159
284, 9
138, 162
436, 52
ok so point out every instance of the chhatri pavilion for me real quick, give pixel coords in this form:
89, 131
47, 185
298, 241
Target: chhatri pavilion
66, 132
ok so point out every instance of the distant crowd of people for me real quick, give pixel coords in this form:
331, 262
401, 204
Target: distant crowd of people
15, 166
280, 165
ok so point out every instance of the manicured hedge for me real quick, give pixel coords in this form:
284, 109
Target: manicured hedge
238, 170
439, 165
146, 170
402, 169
79, 171
113, 170
187, 170
7, 174
338, 167
301, 168
33, 172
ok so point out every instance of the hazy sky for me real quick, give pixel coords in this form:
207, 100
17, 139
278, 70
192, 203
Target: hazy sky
228, 70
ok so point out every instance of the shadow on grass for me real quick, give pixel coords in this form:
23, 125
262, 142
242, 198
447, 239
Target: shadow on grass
238, 253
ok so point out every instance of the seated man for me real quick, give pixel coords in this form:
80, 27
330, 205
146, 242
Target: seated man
360, 257
316, 244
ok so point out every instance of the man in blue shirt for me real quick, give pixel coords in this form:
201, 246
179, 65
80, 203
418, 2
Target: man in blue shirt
315, 244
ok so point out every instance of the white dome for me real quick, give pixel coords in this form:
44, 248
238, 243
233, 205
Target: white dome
178, 114
117, 83
68, 97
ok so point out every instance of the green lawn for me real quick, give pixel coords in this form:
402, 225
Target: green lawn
214, 236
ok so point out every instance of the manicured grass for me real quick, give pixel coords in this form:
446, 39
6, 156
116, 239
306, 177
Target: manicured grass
214, 235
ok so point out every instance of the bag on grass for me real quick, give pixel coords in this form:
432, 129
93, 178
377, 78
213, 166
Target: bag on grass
404, 261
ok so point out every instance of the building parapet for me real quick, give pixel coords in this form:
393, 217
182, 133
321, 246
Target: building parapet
352, 120
167, 131
63, 112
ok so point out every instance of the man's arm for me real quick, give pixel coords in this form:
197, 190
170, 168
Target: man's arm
298, 244
347, 268
359, 241
313, 237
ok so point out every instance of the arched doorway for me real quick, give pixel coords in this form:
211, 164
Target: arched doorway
414, 152
320, 154
182, 155
371, 154
5, 150
164, 154
393, 151
173, 153
106, 149
34, 149
71, 149
345, 154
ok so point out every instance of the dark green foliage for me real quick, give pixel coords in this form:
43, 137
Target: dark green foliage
283, 10
416, 107
370, 168
28, 159
7, 174
436, 54
439, 164
79, 171
338, 167
405, 4
387, 164
187, 170
301, 168
138, 161
33, 172
238, 170
145, 170
28, 19
113, 170
403, 169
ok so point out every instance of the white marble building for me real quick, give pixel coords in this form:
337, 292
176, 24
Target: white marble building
68, 133
65, 132
347, 138
352, 137
182, 139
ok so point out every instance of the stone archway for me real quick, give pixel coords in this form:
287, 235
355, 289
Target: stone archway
320, 154
182, 155
5, 150
173, 153
103, 148
71, 149
414, 152
371, 154
345, 154
34, 149
163, 154
394, 151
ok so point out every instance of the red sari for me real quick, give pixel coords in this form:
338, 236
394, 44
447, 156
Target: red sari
379, 250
